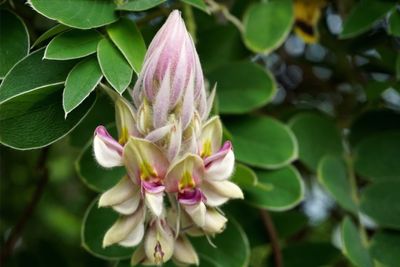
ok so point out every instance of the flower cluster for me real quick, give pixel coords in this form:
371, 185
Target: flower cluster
177, 170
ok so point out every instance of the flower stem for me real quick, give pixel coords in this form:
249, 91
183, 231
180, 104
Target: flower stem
273, 236
216, 7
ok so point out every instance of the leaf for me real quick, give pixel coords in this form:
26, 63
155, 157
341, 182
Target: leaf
72, 44
95, 224
127, 37
276, 190
353, 248
32, 73
59, 28
377, 157
113, 65
381, 202
198, 4
289, 223
394, 23
236, 93
385, 248
364, 15
244, 176
317, 136
233, 239
262, 141
81, 81
36, 119
332, 174
139, 5
14, 41
267, 25
79, 14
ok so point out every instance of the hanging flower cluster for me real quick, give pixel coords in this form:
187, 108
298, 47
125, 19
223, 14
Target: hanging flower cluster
178, 170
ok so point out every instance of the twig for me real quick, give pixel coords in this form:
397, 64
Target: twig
29, 209
273, 236
216, 7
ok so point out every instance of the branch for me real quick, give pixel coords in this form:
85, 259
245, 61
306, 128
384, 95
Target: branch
273, 236
29, 209
216, 7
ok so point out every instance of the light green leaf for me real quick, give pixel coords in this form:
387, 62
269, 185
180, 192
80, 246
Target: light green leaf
14, 41
127, 37
262, 141
385, 248
236, 93
115, 68
36, 119
59, 28
267, 25
81, 81
32, 73
394, 23
381, 202
72, 44
244, 176
377, 157
276, 190
77, 13
332, 173
317, 136
353, 248
233, 239
198, 4
139, 5
95, 224
364, 15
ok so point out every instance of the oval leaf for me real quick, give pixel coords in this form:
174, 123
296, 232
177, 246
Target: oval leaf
77, 13
317, 136
385, 248
236, 93
394, 23
267, 25
59, 28
14, 41
244, 176
139, 5
115, 68
82, 80
197, 3
262, 141
72, 44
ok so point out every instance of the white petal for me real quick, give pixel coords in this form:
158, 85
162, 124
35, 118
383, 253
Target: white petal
135, 237
215, 222
155, 203
129, 206
122, 191
213, 199
159, 243
197, 213
224, 188
106, 156
221, 169
158, 133
184, 252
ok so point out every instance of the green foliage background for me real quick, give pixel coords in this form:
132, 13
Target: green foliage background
315, 127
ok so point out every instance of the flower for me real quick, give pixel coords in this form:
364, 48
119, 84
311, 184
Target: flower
177, 168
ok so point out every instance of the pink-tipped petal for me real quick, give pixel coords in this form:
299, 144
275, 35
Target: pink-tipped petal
107, 151
221, 169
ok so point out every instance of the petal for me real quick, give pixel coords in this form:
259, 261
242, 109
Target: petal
191, 165
129, 206
134, 238
218, 192
161, 103
107, 151
211, 137
155, 203
227, 146
159, 133
184, 252
123, 190
188, 103
215, 222
125, 120
210, 102
197, 212
213, 199
221, 169
139, 256
159, 242
175, 141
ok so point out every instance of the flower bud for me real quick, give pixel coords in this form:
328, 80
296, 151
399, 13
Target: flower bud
159, 242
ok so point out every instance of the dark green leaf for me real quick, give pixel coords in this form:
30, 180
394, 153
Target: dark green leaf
236, 93
14, 41
72, 44
115, 68
139, 5
82, 80
197, 3
262, 141
385, 248
394, 23
59, 28
77, 13
244, 176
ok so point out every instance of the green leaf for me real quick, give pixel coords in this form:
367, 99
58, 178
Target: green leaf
262, 141
93, 175
276, 190
289, 223
14, 41
236, 93
381, 202
139, 5
377, 157
81, 81
127, 37
115, 68
394, 23
317, 136
385, 248
353, 248
59, 28
364, 15
198, 4
95, 224
244, 176
32, 73
233, 239
36, 119
267, 25
72, 44
332, 173
77, 13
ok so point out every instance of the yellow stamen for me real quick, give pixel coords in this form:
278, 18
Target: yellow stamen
186, 181
146, 171
206, 151
124, 136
